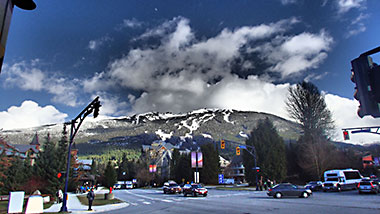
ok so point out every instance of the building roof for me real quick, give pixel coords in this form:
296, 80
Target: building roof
35, 140
24, 148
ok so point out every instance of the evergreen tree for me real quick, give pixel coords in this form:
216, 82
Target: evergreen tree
270, 153
110, 176
47, 167
307, 106
211, 166
16, 175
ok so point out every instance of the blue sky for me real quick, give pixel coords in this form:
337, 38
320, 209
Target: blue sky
178, 56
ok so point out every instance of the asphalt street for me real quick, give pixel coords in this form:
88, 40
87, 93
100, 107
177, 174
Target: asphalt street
223, 201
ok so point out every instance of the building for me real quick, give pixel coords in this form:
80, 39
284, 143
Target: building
21, 150
160, 153
236, 169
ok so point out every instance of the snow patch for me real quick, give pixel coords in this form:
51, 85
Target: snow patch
207, 135
164, 136
243, 134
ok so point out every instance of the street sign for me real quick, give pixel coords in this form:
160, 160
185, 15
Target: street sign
243, 147
221, 178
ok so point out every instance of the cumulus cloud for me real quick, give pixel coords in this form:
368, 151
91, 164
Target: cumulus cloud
30, 114
183, 73
292, 55
28, 76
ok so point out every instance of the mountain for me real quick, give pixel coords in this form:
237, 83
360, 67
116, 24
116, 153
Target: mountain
204, 125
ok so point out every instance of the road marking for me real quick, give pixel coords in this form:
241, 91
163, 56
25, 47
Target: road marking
145, 202
169, 201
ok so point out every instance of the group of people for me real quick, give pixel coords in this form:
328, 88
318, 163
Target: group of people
90, 197
264, 184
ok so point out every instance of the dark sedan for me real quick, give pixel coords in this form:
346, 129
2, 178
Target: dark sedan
287, 189
194, 190
171, 188
314, 185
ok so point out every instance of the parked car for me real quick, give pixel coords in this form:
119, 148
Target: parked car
171, 188
129, 185
368, 186
194, 190
314, 185
288, 189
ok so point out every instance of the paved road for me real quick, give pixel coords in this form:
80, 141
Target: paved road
221, 201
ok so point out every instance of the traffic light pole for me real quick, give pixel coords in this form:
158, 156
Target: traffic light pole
253, 153
363, 130
93, 107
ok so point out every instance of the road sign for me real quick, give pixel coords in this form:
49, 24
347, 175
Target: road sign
243, 147
221, 178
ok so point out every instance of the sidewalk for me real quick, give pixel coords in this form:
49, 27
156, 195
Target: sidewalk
74, 205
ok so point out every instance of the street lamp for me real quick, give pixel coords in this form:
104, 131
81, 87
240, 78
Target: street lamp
93, 107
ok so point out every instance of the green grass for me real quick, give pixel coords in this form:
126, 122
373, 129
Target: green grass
99, 200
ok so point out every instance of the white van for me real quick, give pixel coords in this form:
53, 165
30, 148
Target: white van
341, 179
129, 185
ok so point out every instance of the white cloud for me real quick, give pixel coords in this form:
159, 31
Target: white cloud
285, 2
30, 114
346, 5
28, 76
131, 23
345, 116
292, 55
97, 43
25, 77
357, 25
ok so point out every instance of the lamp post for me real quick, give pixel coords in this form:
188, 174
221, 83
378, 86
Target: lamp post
93, 107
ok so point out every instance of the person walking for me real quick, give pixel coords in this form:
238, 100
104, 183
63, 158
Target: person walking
90, 197
59, 195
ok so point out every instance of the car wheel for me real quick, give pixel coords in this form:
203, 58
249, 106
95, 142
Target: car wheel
339, 189
204, 195
278, 195
305, 195
194, 194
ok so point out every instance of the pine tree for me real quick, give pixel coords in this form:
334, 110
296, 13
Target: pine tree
270, 153
47, 167
110, 176
211, 166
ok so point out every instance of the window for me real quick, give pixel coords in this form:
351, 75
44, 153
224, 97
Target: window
352, 175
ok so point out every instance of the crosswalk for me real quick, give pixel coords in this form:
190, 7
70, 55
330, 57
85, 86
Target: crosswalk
149, 198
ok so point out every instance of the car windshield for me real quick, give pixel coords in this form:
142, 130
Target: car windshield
332, 179
173, 185
197, 186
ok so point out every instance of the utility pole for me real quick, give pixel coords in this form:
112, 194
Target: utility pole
93, 107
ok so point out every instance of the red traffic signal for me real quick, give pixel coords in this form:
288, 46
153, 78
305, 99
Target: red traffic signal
59, 175
346, 135
222, 144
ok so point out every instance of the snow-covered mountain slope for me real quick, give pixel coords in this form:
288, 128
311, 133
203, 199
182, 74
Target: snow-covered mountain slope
212, 124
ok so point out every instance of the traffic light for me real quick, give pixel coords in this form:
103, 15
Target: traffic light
346, 135
96, 108
237, 150
59, 175
366, 76
222, 144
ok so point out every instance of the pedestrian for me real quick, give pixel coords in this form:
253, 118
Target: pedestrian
59, 195
90, 197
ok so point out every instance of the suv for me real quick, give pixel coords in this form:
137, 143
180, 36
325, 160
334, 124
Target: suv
171, 187
368, 186
194, 190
